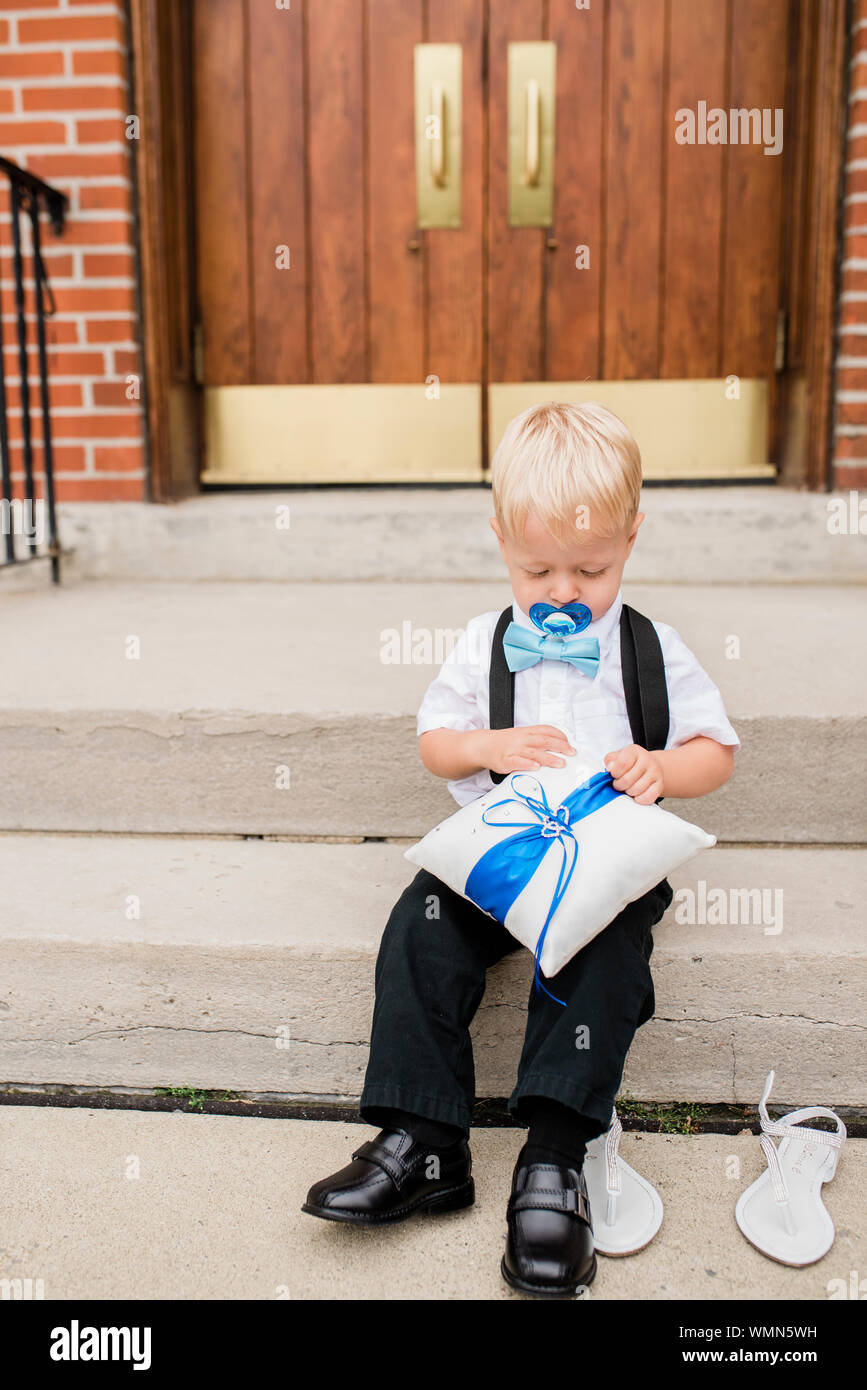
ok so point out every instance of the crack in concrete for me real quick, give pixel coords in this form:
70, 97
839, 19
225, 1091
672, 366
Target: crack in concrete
167, 1028
727, 1018
355, 1042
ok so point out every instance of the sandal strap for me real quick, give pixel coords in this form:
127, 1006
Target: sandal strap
787, 1125
778, 1183
613, 1181
781, 1191
784, 1127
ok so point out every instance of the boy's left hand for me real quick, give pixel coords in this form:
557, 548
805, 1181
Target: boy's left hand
636, 772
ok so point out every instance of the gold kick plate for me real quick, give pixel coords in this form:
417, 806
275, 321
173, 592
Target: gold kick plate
689, 430
357, 433
532, 69
438, 134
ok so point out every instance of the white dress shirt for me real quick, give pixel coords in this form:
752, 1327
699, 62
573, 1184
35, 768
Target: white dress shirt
591, 711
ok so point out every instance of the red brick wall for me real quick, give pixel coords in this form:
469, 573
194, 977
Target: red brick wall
63, 103
850, 429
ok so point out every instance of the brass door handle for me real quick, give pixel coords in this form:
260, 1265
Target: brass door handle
531, 110
531, 146
437, 144
438, 115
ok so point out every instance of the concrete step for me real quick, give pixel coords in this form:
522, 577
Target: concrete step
234, 681
161, 1237
250, 966
699, 535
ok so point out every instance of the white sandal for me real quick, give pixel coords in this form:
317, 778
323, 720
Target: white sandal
626, 1211
782, 1212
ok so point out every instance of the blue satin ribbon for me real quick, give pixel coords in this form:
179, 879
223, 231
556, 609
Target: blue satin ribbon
504, 870
523, 648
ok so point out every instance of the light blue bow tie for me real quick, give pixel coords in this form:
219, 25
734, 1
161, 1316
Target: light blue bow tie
524, 648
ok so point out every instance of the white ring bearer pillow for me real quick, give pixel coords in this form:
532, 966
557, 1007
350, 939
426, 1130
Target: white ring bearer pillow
555, 854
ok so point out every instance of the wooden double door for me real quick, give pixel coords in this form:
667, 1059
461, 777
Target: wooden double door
339, 340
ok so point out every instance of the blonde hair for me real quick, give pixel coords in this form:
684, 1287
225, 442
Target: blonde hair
554, 459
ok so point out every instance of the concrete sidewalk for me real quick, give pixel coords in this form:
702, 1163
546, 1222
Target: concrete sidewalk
130, 1204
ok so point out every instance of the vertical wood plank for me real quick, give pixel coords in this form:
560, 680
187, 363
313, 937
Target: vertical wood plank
277, 195
396, 272
751, 255
336, 191
633, 189
162, 95
515, 254
693, 195
804, 32
453, 256
572, 295
176, 170
827, 158
221, 189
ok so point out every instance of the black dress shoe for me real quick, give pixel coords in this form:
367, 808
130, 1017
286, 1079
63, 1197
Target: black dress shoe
388, 1180
549, 1250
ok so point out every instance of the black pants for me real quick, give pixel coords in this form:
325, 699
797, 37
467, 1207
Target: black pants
430, 979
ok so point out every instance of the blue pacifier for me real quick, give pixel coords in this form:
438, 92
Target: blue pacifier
560, 622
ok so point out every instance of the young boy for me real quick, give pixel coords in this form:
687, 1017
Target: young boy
566, 483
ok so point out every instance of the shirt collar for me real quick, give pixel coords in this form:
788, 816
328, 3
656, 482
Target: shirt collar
600, 628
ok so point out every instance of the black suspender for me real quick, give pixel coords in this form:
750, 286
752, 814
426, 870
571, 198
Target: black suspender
501, 685
643, 681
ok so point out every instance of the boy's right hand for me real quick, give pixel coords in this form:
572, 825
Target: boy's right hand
526, 748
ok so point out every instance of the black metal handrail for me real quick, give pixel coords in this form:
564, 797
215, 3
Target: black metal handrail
27, 195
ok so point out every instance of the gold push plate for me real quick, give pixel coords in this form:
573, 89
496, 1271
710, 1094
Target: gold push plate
438, 134
532, 71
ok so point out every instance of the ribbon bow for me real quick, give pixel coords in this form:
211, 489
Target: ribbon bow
503, 871
523, 648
